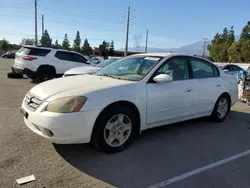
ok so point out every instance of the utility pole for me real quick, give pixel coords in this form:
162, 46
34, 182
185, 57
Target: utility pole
42, 25
35, 22
146, 46
127, 32
205, 41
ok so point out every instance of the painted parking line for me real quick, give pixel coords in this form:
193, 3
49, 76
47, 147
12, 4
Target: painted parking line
199, 170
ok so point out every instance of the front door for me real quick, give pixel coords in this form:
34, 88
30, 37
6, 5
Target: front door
64, 61
171, 101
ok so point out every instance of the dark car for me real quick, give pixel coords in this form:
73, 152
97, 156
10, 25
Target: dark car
9, 54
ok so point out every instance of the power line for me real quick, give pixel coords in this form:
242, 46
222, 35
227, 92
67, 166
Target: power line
15, 6
86, 3
56, 37
90, 15
100, 26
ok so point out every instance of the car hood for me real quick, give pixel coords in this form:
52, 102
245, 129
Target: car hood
84, 84
83, 70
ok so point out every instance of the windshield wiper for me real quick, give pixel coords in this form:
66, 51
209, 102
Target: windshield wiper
109, 75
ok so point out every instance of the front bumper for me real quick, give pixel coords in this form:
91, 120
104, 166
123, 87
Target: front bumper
28, 72
68, 128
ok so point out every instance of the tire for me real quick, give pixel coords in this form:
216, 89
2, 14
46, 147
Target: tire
14, 75
45, 73
220, 111
102, 135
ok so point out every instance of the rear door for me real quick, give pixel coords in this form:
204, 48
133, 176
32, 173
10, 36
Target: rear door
68, 60
207, 85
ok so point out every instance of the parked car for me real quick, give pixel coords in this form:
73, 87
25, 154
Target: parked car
89, 69
9, 54
112, 106
96, 60
46, 63
232, 69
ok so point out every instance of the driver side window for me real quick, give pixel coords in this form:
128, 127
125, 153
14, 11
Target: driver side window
176, 67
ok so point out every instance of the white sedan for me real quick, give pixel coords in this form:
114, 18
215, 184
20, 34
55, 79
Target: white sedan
113, 106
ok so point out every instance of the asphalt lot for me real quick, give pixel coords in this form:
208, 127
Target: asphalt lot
160, 154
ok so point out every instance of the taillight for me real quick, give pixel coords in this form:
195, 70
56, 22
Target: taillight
29, 58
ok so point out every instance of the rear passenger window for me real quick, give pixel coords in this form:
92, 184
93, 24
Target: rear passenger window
78, 58
235, 68
202, 69
68, 56
34, 51
39, 52
228, 67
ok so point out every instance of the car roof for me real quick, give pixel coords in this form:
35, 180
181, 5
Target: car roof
161, 54
49, 48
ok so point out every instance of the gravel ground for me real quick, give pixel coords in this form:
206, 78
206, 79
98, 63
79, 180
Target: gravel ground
158, 155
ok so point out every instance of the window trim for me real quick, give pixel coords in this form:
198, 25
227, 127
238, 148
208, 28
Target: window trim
71, 53
207, 63
80, 56
35, 48
190, 74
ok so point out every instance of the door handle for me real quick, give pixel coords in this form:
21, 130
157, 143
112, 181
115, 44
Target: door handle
218, 85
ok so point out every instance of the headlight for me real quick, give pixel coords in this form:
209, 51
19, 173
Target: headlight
66, 105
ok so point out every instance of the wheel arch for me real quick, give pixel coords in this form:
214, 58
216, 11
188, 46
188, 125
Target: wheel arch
128, 104
227, 95
46, 65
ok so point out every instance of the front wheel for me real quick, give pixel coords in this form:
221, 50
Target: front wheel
45, 73
221, 108
114, 129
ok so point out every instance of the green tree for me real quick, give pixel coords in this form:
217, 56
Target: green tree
77, 42
45, 39
86, 48
66, 43
28, 41
233, 54
224, 34
215, 47
103, 49
245, 51
111, 49
57, 45
231, 36
245, 34
218, 50
5, 44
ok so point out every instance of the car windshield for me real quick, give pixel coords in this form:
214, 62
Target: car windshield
107, 62
131, 68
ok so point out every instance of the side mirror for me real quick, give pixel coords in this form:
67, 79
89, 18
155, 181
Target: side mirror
225, 70
163, 78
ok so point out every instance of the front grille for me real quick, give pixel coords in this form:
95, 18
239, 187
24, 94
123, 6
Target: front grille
32, 102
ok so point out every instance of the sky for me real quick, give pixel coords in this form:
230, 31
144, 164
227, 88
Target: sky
171, 23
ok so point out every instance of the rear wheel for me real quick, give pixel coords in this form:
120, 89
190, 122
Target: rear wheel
114, 129
221, 108
46, 73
